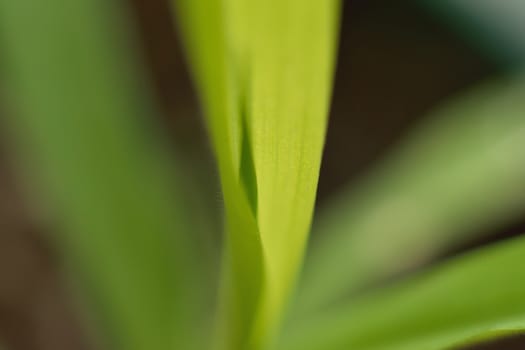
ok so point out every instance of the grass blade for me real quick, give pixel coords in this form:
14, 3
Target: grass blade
288, 97
266, 104
204, 27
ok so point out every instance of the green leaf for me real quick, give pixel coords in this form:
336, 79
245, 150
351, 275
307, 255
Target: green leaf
470, 299
266, 103
494, 26
203, 24
458, 174
82, 117
291, 74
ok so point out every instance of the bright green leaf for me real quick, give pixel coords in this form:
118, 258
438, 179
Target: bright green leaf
288, 106
266, 102
472, 298
204, 27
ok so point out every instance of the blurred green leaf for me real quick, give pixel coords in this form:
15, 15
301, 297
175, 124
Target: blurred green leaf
496, 27
83, 120
470, 299
266, 104
459, 174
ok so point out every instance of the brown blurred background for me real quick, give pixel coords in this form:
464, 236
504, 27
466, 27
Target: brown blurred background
395, 63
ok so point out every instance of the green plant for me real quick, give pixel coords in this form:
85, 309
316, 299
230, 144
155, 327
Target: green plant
263, 69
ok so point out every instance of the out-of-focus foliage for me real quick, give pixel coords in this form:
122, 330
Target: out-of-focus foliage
82, 112
459, 174
83, 123
436, 310
497, 27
